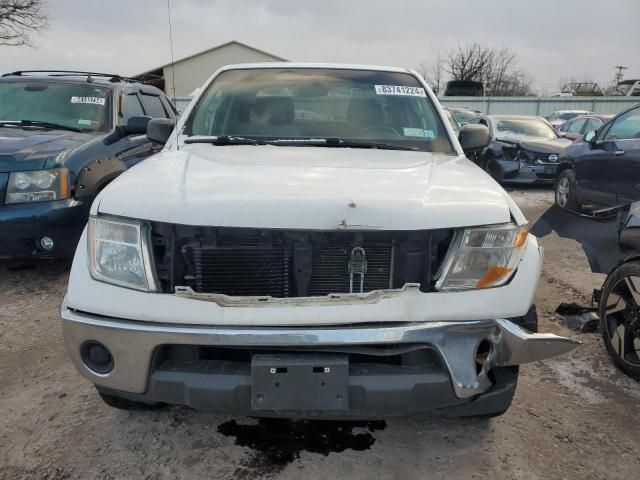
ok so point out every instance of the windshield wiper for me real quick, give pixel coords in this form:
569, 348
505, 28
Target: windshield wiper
315, 142
225, 140
39, 123
341, 142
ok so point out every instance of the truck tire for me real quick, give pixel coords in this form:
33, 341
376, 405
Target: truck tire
565, 190
620, 317
125, 404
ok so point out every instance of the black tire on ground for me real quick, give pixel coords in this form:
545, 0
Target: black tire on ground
620, 317
565, 190
125, 404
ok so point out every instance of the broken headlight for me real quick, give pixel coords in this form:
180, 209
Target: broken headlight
119, 253
482, 257
38, 186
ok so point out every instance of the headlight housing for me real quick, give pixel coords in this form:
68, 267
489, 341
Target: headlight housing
38, 186
119, 253
482, 257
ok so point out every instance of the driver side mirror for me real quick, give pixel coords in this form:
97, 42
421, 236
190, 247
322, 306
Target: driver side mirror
159, 130
136, 125
474, 137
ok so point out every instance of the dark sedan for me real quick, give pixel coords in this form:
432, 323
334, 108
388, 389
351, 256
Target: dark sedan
576, 127
523, 149
603, 169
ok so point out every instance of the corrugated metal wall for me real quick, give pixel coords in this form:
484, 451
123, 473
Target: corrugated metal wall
543, 106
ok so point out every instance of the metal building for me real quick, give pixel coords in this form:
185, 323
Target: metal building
192, 71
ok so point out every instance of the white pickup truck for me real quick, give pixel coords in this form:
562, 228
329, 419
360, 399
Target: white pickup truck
312, 242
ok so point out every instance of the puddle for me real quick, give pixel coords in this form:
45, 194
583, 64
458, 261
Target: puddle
278, 442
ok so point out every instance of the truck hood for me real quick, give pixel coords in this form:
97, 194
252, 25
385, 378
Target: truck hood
314, 188
29, 149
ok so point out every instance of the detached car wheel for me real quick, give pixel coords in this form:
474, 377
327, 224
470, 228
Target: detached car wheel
620, 317
566, 190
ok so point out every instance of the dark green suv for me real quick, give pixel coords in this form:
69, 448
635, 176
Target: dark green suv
63, 137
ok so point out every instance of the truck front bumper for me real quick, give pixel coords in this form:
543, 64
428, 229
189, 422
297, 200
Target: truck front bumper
458, 366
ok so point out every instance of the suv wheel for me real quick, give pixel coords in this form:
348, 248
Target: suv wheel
620, 317
566, 190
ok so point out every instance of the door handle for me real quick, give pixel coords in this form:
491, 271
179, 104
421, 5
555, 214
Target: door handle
619, 152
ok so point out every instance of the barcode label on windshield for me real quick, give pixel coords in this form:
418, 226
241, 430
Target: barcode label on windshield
89, 100
400, 90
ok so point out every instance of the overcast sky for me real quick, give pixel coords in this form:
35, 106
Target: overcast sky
553, 39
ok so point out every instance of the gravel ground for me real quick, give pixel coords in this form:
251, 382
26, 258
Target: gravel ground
572, 417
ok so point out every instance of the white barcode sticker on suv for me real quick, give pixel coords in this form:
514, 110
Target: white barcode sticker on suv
91, 100
400, 90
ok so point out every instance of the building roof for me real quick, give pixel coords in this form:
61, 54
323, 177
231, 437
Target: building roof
232, 42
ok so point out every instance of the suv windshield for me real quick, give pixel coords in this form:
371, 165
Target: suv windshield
368, 107
530, 127
75, 106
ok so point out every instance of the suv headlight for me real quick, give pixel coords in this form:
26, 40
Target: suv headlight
38, 186
482, 257
119, 253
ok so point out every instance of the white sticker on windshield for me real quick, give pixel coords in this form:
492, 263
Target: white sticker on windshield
418, 132
400, 90
90, 100
82, 121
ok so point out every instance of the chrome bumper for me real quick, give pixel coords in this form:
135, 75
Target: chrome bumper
133, 343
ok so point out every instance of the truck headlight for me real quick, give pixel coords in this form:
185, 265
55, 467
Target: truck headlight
119, 253
38, 186
482, 257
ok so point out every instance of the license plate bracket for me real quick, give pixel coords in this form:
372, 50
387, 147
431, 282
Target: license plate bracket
301, 382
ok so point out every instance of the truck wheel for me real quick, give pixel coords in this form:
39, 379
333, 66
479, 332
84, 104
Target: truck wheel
124, 404
566, 190
620, 317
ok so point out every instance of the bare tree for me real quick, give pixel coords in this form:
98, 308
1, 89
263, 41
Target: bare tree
433, 74
495, 68
470, 62
19, 19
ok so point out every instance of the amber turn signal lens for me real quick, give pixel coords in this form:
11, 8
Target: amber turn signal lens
521, 237
493, 275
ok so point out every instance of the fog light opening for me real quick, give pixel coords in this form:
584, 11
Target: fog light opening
46, 243
96, 357
482, 353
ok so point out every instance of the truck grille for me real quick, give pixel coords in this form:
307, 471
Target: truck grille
331, 272
241, 271
252, 262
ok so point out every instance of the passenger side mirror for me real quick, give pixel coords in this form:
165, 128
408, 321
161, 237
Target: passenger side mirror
159, 130
474, 137
136, 125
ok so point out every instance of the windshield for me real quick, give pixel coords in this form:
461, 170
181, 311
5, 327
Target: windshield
310, 104
530, 127
76, 106
463, 116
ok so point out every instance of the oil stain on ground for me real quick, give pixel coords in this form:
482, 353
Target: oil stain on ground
279, 442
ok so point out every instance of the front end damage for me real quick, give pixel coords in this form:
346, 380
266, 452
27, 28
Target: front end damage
454, 367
